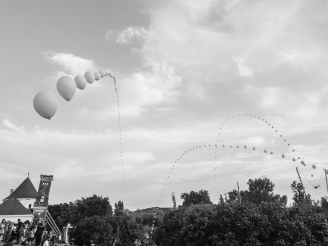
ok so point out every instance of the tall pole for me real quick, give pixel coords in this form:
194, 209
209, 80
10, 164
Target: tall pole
326, 179
301, 181
238, 193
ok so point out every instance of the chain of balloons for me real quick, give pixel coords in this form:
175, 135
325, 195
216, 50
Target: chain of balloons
272, 127
215, 145
119, 121
45, 103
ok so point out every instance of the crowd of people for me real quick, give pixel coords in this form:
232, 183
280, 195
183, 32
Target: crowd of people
27, 233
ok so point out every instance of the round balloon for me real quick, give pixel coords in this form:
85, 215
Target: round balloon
80, 81
313, 166
66, 87
89, 76
108, 72
45, 104
97, 75
102, 73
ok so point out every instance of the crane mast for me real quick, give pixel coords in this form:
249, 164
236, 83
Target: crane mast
326, 179
302, 182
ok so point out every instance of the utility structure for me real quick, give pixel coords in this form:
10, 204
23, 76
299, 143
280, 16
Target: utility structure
40, 210
326, 172
299, 176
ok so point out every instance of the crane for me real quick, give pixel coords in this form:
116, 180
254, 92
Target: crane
326, 172
301, 181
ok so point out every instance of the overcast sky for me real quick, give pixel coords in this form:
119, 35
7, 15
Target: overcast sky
183, 67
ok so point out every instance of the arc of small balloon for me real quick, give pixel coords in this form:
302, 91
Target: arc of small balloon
262, 120
214, 145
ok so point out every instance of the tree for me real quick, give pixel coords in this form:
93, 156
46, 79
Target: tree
300, 198
63, 213
259, 190
173, 200
119, 208
201, 197
324, 202
91, 206
104, 230
242, 224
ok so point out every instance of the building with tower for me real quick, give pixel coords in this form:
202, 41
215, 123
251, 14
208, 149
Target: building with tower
26, 203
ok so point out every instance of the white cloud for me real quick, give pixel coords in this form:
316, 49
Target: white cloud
12, 126
129, 34
71, 64
243, 70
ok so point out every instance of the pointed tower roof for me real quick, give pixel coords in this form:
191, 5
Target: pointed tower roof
13, 207
25, 190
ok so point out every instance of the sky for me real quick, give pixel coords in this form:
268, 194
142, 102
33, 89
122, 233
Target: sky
182, 68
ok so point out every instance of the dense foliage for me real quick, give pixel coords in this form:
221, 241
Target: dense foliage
105, 230
242, 224
255, 216
193, 198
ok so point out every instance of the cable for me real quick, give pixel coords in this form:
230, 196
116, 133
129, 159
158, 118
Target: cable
20, 145
320, 177
306, 177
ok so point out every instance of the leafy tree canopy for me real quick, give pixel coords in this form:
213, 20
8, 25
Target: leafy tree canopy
193, 198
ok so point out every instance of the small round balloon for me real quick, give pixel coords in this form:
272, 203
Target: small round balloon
108, 72
66, 87
102, 73
97, 76
89, 76
45, 104
80, 81
313, 166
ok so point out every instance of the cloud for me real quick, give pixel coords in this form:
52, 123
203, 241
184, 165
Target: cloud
12, 126
71, 64
130, 34
243, 70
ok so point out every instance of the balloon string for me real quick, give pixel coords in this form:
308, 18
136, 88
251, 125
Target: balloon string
119, 121
19, 146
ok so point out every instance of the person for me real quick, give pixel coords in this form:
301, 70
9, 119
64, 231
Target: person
6, 236
10, 229
19, 229
2, 229
30, 235
10, 242
39, 234
46, 241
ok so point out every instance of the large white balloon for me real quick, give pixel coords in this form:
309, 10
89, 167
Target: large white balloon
89, 76
45, 104
80, 81
97, 75
66, 87
102, 73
